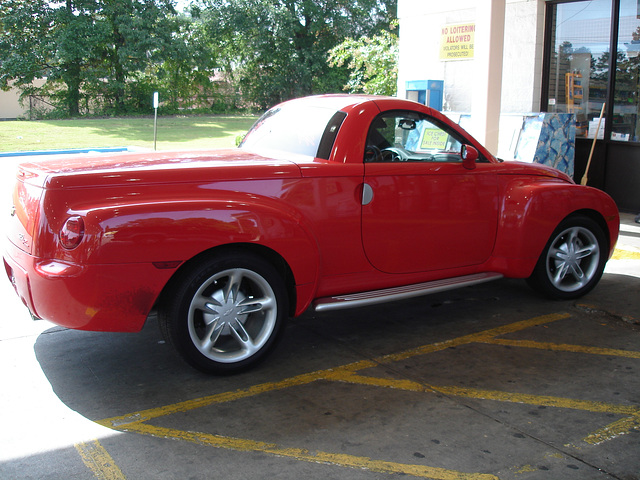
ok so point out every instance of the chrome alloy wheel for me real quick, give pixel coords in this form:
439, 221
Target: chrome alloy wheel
232, 315
573, 259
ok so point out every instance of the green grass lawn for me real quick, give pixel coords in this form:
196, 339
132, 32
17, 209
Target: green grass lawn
174, 133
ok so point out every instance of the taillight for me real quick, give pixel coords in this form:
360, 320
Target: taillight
72, 232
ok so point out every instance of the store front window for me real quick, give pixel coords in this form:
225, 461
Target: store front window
626, 102
579, 61
579, 66
583, 77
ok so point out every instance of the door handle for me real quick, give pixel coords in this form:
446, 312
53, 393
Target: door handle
367, 194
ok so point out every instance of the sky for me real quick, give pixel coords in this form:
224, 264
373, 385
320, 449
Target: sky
181, 5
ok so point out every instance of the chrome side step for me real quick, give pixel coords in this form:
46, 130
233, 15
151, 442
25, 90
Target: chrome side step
400, 293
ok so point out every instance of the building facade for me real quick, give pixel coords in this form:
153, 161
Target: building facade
556, 58
10, 107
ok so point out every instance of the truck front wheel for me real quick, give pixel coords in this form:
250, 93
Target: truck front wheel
573, 260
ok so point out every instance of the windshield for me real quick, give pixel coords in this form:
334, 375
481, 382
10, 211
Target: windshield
289, 130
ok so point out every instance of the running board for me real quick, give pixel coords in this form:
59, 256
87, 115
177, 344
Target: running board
400, 293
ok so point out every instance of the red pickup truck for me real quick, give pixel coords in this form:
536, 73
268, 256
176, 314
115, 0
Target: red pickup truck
330, 202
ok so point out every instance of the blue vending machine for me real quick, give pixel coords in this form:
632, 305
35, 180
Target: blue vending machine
427, 92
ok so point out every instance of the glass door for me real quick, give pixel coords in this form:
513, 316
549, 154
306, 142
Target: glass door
626, 127
579, 62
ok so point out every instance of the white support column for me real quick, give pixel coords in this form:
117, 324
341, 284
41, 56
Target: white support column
488, 52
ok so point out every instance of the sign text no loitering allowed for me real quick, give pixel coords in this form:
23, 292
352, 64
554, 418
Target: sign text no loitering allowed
457, 41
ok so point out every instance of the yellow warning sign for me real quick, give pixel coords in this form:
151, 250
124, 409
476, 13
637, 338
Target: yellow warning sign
457, 41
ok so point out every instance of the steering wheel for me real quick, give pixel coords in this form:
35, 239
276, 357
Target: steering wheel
389, 154
372, 154
394, 154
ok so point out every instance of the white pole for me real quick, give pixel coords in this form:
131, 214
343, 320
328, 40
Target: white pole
488, 52
155, 119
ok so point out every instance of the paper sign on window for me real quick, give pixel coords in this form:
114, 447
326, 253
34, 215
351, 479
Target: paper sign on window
434, 139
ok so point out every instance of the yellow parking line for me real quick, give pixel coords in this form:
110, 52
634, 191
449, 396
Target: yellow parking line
350, 461
501, 396
483, 336
144, 415
478, 337
98, 460
615, 429
560, 347
136, 422
620, 254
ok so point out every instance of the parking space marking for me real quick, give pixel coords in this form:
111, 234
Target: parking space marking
339, 459
621, 254
98, 460
561, 347
352, 373
615, 429
498, 395
144, 415
479, 337
623, 426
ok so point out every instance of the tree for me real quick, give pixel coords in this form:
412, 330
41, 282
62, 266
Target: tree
184, 76
22, 62
41, 39
137, 34
276, 49
372, 61
101, 48
69, 59
117, 52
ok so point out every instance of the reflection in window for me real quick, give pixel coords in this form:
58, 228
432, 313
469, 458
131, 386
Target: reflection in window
579, 64
291, 129
625, 125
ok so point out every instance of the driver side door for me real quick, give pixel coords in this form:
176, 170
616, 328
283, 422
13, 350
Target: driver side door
422, 209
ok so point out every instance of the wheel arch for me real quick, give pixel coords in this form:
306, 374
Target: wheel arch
531, 212
609, 232
566, 273
596, 217
165, 233
266, 253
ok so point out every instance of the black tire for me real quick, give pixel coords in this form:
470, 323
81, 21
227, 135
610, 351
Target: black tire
226, 314
572, 261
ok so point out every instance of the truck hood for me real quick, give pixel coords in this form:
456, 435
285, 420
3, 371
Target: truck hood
90, 170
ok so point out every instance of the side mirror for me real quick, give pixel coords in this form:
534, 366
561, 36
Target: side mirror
469, 156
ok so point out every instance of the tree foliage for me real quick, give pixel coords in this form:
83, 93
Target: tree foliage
114, 52
277, 49
108, 56
25, 41
372, 61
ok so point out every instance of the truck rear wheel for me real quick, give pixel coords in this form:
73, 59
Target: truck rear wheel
226, 314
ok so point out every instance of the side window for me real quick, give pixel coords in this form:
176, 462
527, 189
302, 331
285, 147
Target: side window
329, 135
405, 136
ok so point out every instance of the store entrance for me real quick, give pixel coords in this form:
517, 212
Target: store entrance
581, 76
